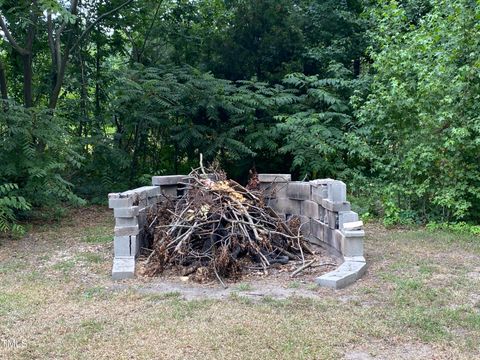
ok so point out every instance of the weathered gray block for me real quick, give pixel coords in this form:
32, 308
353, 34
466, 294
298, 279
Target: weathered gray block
345, 217
121, 246
337, 191
352, 246
298, 190
270, 178
285, 206
167, 180
142, 192
305, 226
336, 206
123, 267
309, 208
344, 275
126, 230
126, 212
317, 229
169, 191
354, 233
274, 190
123, 222
331, 219
114, 203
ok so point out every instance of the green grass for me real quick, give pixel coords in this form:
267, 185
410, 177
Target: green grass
418, 299
98, 235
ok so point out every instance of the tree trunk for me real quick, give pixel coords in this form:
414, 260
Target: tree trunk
27, 80
3, 82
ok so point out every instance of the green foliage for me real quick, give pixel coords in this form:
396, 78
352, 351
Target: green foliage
9, 204
35, 155
459, 227
421, 120
316, 122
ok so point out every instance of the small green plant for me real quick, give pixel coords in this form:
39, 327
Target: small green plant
456, 227
243, 287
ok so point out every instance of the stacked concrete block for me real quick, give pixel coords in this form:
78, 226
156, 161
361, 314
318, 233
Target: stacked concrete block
325, 215
129, 210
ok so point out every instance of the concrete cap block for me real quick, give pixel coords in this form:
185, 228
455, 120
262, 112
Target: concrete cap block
168, 179
299, 190
123, 267
270, 178
353, 225
345, 217
336, 206
142, 192
320, 182
126, 212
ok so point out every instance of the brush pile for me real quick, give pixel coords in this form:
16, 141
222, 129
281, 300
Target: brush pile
220, 228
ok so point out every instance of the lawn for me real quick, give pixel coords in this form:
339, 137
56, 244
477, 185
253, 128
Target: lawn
420, 299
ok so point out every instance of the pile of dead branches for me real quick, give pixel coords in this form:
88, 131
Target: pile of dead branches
220, 227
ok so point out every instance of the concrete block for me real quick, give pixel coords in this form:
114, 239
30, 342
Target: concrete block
354, 233
126, 212
331, 219
319, 193
337, 191
317, 229
345, 217
123, 222
309, 208
126, 230
336, 280
352, 246
328, 235
336, 206
270, 178
305, 226
344, 275
274, 190
167, 180
285, 206
354, 225
121, 246
354, 258
169, 191
126, 202
123, 267
142, 192
298, 190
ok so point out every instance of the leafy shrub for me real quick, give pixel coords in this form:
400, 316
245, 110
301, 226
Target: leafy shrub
421, 121
35, 153
9, 204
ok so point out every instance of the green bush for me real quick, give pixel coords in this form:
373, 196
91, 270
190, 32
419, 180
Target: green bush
36, 152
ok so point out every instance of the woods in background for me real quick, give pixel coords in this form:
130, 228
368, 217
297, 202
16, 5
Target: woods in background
97, 96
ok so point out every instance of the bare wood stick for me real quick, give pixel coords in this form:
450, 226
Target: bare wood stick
303, 267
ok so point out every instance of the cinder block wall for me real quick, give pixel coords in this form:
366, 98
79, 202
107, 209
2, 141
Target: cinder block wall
321, 205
